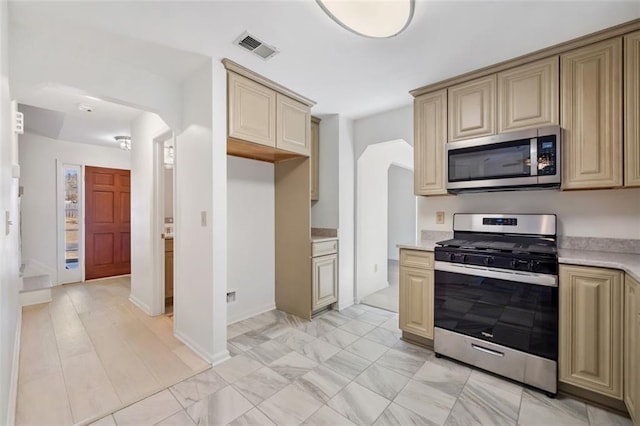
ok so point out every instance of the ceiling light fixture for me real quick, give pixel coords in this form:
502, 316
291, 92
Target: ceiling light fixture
370, 18
124, 141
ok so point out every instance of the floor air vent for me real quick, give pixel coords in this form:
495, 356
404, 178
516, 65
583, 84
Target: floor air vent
252, 44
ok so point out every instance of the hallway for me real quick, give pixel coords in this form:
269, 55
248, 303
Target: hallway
388, 298
91, 351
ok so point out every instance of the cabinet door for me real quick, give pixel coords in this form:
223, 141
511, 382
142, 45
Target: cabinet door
528, 95
631, 345
430, 139
315, 159
590, 350
632, 109
591, 116
293, 131
252, 111
168, 269
472, 109
416, 301
325, 280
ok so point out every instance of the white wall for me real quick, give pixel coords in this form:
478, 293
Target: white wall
346, 213
324, 212
99, 63
38, 155
402, 206
371, 212
604, 213
386, 126
9, 244
251, 237
144, 236
580, 213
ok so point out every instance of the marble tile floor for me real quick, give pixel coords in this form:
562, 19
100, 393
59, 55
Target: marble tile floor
389, 297
345, 368
90, 352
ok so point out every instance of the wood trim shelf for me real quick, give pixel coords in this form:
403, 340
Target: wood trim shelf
258, 152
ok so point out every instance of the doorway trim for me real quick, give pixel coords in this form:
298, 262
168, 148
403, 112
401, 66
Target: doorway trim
158, 304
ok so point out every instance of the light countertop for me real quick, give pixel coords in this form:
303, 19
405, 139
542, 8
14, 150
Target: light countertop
424, 245
630, 263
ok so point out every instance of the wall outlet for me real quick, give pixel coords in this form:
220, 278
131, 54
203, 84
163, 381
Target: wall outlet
440, 218
231, 296
375, 267
203, 218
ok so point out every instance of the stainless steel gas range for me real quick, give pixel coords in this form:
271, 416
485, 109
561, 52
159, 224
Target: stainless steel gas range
496, 296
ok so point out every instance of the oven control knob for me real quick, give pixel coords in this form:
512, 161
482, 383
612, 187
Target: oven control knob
450, 256
488, 260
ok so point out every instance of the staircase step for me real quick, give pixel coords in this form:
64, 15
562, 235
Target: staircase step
39, 282
36, 290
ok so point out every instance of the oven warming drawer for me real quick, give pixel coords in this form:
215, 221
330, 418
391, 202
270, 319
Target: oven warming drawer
533, 370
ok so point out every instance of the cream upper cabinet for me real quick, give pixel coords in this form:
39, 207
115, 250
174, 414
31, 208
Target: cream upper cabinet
632, 109
251, 110
430, 139
528, 95
315, 159
590, 329
416, 293
472, 107
591, 115
293, 131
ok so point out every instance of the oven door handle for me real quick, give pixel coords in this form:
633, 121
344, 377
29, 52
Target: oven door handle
500, 274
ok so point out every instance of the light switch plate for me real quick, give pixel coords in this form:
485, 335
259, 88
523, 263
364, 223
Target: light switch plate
203, 218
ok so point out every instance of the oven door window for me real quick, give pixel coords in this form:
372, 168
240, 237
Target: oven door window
513, 314
496, 161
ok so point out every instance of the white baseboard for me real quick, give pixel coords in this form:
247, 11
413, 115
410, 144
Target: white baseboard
140, 304
346, 304
194, 346
15, 369
220, 357
237, 318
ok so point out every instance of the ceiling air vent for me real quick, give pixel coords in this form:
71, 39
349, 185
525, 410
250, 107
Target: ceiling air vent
252, 44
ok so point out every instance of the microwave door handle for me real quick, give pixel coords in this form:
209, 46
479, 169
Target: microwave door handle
534, 156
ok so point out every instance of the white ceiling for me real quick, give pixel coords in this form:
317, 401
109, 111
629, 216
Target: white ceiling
343, 72
52, 111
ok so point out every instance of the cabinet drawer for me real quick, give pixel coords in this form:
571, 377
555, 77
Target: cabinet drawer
324, 247
416, 259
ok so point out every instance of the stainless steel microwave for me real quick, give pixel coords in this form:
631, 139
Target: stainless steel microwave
526, 159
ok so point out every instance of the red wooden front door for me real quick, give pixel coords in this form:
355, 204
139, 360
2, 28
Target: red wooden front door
107, 222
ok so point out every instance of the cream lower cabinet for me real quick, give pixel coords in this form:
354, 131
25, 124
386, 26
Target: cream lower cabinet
591, 115
591, 329
430, 144
416, 292
325, 274
632, 347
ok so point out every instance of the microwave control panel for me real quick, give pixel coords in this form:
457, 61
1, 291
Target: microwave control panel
547, 155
